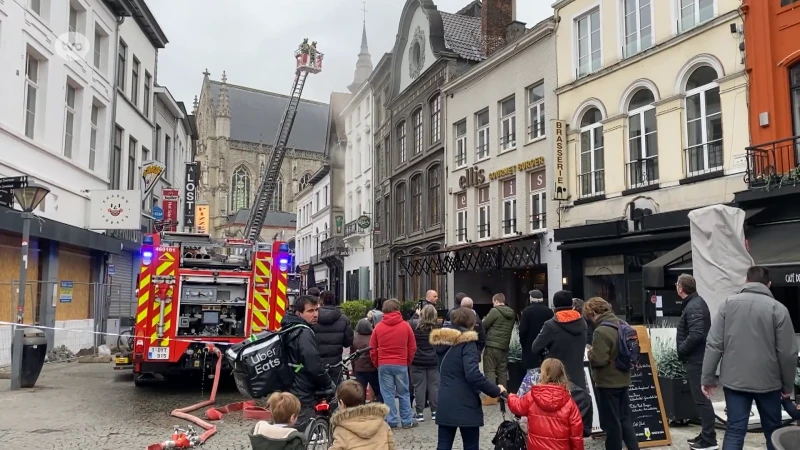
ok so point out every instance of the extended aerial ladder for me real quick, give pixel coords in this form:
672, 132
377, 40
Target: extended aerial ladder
309, 60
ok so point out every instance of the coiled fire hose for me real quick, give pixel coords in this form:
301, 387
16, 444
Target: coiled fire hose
188, 438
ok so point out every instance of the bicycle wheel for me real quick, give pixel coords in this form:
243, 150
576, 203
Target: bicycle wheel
318, 435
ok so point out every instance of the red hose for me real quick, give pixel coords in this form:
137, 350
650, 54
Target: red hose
250, 411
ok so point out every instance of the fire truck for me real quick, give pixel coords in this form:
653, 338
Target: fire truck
194, 292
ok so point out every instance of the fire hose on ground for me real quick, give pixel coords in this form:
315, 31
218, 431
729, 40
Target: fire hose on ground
188, 437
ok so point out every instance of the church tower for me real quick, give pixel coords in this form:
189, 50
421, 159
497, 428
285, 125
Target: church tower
364, 64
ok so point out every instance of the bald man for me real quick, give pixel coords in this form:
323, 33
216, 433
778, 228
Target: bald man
431, 298
467, 302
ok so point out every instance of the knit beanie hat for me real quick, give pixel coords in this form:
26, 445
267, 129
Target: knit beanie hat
562, 299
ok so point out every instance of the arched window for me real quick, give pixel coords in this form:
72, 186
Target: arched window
240, 189
416, 203
436, 118
703, 152
642, 167
401, 142
435, 195
416, 120
592, 175
400, 209
277, 197
304, 181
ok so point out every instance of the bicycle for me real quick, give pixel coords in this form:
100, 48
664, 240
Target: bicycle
318, 431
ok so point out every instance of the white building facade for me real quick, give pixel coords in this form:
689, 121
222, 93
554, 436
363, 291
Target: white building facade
313, 226
499, 160
358, 201
172, 148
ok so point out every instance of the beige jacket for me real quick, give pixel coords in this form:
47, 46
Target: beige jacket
362, 428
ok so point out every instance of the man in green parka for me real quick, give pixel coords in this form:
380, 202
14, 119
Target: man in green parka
499, 324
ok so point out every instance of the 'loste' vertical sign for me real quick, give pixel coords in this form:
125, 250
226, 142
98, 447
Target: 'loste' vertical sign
190, 194
558, 133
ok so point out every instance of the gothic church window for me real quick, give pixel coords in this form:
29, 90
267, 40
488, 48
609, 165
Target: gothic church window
304, 181
277, 197
240, 189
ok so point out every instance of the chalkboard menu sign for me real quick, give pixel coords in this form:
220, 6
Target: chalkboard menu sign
647, 408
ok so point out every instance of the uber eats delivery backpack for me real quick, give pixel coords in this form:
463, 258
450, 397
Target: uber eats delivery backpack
261, 363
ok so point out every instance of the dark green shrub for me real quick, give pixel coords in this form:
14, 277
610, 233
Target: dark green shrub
356, 310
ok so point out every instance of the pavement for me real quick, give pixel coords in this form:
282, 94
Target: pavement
92, 407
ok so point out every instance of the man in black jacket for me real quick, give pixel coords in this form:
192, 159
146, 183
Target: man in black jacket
530, 324
302, 352
693, 327
333, 332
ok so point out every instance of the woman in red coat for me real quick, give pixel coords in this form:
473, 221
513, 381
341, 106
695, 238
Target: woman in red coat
554, 421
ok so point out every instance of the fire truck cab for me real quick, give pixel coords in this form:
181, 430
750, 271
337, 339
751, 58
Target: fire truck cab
194, 292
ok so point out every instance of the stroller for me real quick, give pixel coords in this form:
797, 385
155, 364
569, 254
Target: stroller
509, 435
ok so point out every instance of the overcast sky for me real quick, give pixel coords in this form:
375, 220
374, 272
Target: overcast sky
254, 41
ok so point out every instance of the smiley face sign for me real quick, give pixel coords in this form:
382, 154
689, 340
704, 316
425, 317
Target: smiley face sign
115, 209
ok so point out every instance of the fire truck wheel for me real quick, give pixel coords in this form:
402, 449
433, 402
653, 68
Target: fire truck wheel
139, 380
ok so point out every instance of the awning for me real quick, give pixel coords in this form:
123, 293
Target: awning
507, 253
653, 272
775, 246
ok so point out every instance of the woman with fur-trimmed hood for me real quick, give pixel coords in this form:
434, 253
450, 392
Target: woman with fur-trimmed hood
360, 426
461, 382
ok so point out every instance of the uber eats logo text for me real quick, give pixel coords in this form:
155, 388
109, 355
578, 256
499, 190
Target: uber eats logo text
265, 361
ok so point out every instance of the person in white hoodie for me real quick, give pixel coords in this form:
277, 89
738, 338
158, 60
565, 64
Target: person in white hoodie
279, 433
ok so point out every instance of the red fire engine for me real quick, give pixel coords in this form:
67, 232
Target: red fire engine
193, 292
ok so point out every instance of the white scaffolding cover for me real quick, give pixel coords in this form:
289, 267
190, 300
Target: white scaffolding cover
719, 255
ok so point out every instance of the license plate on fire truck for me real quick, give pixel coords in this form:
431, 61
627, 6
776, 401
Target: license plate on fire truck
158, 353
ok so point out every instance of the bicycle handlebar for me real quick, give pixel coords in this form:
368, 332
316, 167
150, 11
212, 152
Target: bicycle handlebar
350, 357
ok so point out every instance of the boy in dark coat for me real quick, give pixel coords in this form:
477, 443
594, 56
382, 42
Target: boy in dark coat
278, 434
564, 338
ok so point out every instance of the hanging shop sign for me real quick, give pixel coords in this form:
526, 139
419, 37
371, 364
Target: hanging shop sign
152, 171
201, 219
169, 203
472, 177
521, 167
115, 210
190, 194
560, 184
364, 222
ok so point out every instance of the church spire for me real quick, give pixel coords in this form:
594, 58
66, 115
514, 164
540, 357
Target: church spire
364, 64
224, 105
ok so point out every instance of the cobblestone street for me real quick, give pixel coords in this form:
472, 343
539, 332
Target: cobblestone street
90, 406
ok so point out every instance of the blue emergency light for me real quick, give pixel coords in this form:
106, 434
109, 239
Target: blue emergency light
147, 240
147, 257
283, 264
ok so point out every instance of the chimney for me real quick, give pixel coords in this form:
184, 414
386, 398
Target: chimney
496, 16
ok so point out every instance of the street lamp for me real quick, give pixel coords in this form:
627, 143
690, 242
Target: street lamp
28, 198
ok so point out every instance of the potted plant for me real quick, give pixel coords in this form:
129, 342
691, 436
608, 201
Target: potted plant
675, 391
516, 372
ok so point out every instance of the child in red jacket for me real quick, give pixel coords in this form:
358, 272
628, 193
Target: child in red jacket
554, 421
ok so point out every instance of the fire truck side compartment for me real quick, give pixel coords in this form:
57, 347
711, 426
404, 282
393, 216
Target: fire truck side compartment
213, 309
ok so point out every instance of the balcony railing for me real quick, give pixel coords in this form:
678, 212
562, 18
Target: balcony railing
703, 159
333, 246
592, 184
642, 172
509, 227
461, 235
538, 221
351, 228
484, 231
774, 164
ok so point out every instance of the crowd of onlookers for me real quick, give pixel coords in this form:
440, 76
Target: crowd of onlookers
435, 363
